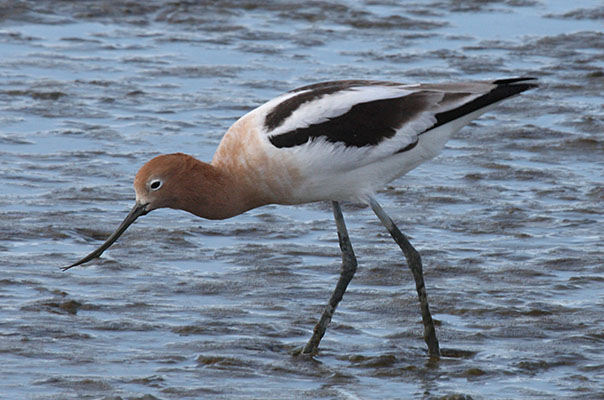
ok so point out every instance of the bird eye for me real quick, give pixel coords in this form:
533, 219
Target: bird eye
155, 184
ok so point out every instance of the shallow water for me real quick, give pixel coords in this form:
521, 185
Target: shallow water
508, 219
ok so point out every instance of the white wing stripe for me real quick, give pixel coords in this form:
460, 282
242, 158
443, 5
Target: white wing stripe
334, 105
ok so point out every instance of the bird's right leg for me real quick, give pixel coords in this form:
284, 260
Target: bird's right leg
349, 267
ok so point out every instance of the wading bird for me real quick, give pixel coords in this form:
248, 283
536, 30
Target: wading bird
331, 141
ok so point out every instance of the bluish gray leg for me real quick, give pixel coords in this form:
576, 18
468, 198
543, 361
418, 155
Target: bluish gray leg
415, 265
349, 267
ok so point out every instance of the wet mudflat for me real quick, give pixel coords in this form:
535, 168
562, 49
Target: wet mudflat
508, 219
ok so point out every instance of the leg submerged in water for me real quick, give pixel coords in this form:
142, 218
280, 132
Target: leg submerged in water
349, 267
415, 265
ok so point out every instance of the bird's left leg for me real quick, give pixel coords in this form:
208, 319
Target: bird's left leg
349, 267
414, 263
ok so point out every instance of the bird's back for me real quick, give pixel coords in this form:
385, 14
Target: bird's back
343, 140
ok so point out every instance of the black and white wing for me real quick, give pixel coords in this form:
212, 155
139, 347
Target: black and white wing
376, 119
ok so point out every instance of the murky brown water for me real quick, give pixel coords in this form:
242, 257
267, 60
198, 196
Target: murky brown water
508, 219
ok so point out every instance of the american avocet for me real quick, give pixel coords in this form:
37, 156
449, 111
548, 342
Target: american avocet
334, 141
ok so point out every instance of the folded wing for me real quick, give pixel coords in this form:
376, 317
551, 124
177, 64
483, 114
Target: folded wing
375, 119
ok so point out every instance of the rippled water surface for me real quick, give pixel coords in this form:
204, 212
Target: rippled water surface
508, 219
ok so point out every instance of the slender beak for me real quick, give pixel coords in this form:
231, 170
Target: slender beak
138, 210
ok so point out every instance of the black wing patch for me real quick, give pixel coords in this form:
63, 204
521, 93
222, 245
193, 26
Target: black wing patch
505, 88
364, 124
370, 123
283, 110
